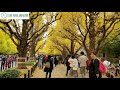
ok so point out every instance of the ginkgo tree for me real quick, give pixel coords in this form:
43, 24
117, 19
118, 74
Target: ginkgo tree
91, 28
23, 35
61, 42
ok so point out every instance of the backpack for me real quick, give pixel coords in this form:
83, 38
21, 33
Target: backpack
47, 65
102, 67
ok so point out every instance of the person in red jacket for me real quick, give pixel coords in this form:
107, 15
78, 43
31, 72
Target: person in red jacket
46, 57
9, 61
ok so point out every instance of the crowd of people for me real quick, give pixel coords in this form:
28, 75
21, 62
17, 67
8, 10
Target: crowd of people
96, 67
7, 61
48, 62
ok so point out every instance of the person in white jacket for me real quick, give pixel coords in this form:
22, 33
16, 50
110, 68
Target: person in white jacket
74, 66
106, 63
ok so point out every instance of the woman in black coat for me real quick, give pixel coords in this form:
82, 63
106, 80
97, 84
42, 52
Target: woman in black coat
94, 67
67, 64
48, 70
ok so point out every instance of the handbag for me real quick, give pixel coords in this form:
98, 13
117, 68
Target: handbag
47, 65
75, 68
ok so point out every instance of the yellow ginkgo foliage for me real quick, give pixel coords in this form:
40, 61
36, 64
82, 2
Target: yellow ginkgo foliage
6, 44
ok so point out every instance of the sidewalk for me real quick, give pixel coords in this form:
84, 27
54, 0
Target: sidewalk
58, 72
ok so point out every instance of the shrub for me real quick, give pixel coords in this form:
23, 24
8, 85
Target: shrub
10, 73
29, 63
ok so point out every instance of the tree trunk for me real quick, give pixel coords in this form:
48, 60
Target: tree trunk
64, 54
21, 52
23, 47
72, 47
88, 55
92, 36
32, 49
21, 57
106, 55
32, 46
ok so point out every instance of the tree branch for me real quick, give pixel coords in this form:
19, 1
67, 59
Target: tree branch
41, 46
46, 25
32, 39
14, 40
4, 30
57, 48
73, 34
16, 29
77, 50
113, 38
61, 45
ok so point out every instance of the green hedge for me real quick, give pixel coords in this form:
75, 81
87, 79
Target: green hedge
10, 73
30, 63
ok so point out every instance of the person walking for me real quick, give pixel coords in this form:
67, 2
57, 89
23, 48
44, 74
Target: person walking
73, 66
48, 67
39, 61
43, 60
82, 61
67, 64
94, 66
53, 61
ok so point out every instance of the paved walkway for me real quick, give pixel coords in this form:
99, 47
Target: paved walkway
58, 72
